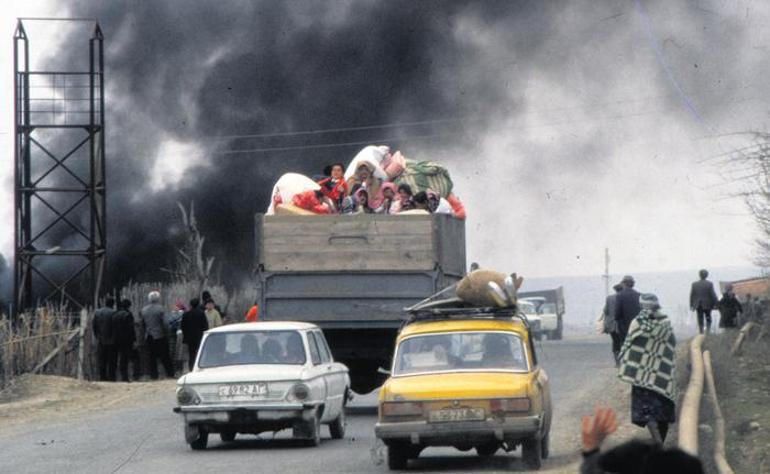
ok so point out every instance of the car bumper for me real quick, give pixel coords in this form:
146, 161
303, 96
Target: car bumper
240, 414
449, 433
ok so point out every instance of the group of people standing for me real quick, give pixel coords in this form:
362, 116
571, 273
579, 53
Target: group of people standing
150, 337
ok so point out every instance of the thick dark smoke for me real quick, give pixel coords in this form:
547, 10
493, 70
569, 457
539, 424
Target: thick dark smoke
570, 111
190, 71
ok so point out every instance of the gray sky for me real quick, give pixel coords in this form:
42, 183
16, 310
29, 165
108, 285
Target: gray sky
598, 142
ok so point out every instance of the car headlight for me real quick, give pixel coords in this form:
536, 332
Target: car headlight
299, 392
187, 396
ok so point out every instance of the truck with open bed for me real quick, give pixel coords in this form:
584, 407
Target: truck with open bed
353, 275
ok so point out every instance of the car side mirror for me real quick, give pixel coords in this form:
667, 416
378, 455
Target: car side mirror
384, 371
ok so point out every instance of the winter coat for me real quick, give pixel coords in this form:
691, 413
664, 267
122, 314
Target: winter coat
626, 308
213, 318
702, 295
610, 325
729, 307
103, 326
123, 324
194, 324
154, 321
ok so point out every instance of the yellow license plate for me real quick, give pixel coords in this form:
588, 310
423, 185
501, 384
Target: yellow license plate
456, 414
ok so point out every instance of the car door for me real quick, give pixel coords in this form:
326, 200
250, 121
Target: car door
319, 375
335, 373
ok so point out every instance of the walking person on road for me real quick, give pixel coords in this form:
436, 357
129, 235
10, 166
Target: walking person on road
104, 332
123, 323
729, 309
610, 324
154, 319
194, 324
703, 299
626, 306
647, 361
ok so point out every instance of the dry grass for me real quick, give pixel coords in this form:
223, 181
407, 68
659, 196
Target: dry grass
34, 336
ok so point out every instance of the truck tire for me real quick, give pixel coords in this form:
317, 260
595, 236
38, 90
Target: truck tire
488, 449
557, 333
546, 445
227, 436
532, 452
398, 456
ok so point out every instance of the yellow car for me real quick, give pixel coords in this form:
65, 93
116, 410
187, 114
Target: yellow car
469, 382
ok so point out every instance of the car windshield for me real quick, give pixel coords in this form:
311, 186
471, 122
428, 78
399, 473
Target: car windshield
548, 308
465, 351
252, 347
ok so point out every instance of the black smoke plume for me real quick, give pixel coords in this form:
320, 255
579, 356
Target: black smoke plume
191, 71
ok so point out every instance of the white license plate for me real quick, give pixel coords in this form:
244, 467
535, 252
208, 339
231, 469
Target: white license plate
253, 390
456, 414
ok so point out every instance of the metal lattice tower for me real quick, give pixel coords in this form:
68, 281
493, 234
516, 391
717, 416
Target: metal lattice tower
59, 179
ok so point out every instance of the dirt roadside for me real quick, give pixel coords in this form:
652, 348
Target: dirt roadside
32, 399
743, 388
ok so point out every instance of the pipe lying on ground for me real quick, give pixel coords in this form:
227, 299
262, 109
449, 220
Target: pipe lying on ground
742, 335
688, 416
720, 458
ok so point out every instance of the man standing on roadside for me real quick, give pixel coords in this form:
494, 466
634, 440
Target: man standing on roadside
610, 324
104, 332
153, 317
194, 324
703, 299
626, 307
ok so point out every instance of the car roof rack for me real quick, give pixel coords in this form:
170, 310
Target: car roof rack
465, 313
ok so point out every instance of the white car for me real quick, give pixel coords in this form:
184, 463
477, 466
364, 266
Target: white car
534, 320
264, 376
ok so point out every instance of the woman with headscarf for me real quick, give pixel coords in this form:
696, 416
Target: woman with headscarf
389, 200
729, 308
647, 361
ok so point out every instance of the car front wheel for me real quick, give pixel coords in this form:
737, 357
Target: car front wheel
532, 452
200, 443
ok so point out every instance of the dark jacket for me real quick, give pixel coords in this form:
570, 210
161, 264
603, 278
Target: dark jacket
103, 326
729, 307
123, 325
702, 295
194, 324
627, 307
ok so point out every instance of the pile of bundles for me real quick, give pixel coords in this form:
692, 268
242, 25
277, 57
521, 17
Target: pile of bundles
375, 182
478, 289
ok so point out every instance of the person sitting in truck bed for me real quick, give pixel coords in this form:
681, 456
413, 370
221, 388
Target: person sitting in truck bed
405, 201
432, 202
389, 191
334, 186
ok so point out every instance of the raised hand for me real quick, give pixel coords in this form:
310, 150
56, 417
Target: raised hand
596, 430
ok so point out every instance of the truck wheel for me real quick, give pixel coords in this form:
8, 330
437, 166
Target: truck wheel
227, 436
201, 441
337, 427
532, 452
546, 445
486, 450
397, 457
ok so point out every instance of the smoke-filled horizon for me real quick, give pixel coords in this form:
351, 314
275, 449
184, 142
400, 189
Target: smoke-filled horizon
567, 126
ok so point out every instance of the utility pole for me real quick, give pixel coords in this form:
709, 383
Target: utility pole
606, 271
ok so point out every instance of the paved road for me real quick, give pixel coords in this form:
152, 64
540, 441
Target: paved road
149, 439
